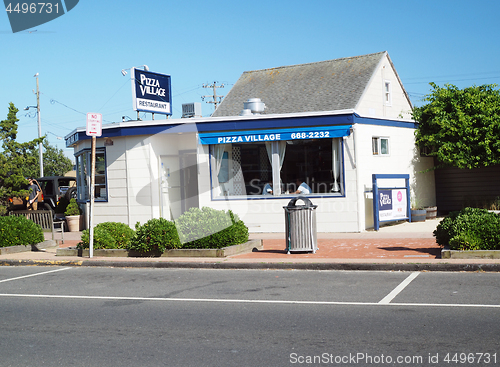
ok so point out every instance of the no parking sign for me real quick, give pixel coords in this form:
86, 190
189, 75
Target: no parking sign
94, 124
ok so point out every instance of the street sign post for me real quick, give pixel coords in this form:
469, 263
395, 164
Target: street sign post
94, 129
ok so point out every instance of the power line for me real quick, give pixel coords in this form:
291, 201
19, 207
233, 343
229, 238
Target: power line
187, 91
105, 103
53, 101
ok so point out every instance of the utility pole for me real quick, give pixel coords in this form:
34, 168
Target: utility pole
40, 147
214, 86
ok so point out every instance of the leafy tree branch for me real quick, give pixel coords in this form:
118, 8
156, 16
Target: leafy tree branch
460, 127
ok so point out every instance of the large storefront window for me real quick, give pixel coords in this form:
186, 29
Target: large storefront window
311, 161
277, 167
83, 170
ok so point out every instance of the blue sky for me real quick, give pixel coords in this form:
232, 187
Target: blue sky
79, 56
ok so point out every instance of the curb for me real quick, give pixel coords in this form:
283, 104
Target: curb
26, 248
248, 246
260, 266
446, 253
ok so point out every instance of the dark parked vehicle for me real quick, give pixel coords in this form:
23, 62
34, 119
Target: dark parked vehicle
53, 189
56, 187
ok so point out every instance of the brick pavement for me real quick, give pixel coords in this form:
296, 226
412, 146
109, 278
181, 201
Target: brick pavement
342, 248
398, 241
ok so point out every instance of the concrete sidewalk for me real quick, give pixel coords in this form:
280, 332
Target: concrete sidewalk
400, 246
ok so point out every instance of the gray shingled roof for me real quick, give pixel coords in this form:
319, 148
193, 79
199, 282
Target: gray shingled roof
321, 86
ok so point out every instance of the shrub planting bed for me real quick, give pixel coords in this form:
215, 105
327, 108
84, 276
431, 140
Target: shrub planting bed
469, 233
204, 232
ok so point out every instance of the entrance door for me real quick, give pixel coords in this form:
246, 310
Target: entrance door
189, 179
170, 187
179, 183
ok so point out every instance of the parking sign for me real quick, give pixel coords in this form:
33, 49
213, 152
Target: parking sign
94, 124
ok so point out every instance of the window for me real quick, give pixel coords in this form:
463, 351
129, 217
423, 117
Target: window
83, 173
308, 161
224, 169
274, 168
240, 169
387, 93
380, 146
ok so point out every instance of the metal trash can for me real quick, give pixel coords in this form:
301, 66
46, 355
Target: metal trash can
300, 226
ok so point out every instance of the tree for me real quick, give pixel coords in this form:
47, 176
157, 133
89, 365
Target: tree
14, 157
460, 127
55, 163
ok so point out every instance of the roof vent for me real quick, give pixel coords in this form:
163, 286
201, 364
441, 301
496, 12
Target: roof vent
190, 110
254, 105
246, 112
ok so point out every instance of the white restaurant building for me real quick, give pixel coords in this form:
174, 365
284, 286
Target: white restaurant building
331, 124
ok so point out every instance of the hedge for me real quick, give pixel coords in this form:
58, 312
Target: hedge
16, 231
155, 236
469, 229
108, 235
209, 228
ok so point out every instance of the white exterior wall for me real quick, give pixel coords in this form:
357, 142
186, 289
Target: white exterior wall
372, 102
129, 177
403, 159
132, 165
117, 205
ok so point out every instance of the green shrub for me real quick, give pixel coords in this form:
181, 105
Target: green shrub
16, 231
155, 236
108, 235
210, 228
72, 208
121, 233
469, 229
102, 239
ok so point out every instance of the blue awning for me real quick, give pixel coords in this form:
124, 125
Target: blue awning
256, 136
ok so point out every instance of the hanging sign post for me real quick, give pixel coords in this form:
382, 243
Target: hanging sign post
94, 129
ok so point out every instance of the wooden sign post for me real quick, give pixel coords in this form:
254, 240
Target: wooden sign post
94, 128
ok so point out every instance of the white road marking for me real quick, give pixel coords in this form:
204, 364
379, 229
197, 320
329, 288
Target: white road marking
264, 301
399, 288
33, 275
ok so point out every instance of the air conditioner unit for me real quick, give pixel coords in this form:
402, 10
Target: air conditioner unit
190, 110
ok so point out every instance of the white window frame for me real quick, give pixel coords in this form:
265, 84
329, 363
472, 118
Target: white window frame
387, 93
377, 146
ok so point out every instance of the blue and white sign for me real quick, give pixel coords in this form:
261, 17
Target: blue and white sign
151, 92
256, 136
392, 204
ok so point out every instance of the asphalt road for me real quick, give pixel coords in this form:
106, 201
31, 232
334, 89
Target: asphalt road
55, 316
